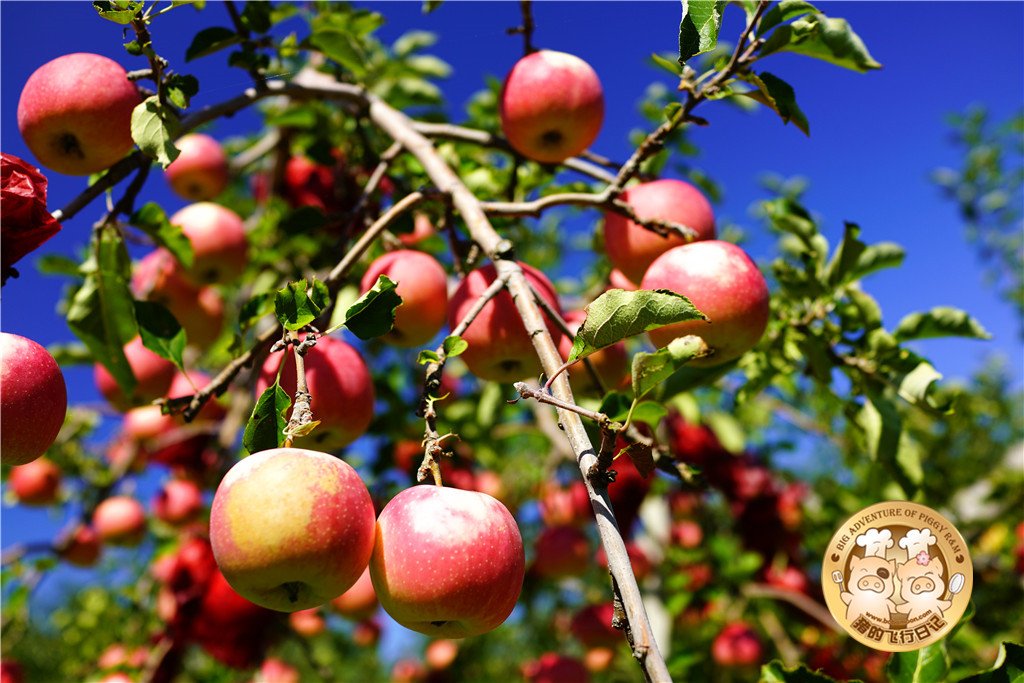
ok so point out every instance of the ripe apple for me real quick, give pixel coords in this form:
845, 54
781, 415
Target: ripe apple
610, 363
423, 286
291, 528
560, 552
737, 645
11, 671
555, 668
308, 622
36, 482
200, 172
551, 106
592, 625
153, 375
686, 533
274, 670
366, 633
422, 228
120, 520
447, 563
341, 386
500, 350
219, 242
230, 628
359, 602
560, 505
632, 248
81, 547
177, 502
33, 402
724, 284
200, 310
440, 653
618, 280
308, 183
75, 113
408, 670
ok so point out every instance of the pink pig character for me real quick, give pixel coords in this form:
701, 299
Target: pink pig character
921, 586
872, 584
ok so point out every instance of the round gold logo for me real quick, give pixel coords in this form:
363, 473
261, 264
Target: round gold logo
897, 576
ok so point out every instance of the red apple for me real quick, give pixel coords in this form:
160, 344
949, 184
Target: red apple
610, 363
631, 247
500, 350
618, 280
686, 533
308, 183
440, 653
555, 668
153, 375
33, 401
291, 528
737, 645
75, 113
35, 483
366, 633
447, 563
408, 670
551, 106
422, 228
178, 501
592, 625
81, 547
423, 286
229, 627
120, 520
200, 172
724, 284
341, 386
200, 310
560, 505
11, 671
219, 243
359, 602
308, 622
274, 670
560, 552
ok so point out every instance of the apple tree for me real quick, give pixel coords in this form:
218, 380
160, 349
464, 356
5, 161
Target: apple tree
365, 421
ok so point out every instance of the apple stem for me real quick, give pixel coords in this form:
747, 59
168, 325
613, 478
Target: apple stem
292, 587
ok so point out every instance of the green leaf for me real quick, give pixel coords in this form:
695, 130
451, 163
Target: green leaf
294, 307
117, 11
430, 5
698, 30
775, 672
824, 38
254, 309
941, 321
57, 264
917, 384
618, 314
642, 456
928, 664
265, 429
782, 12
181, 88
877, 257
1009, 667
161, 332
152, 220
256, 16
373, 315
777, 95
303, 219
154, 129
334, 37
888, 444
453, 345
211, 40
412, 41
101, 314
651, 369
666, 64
846, 256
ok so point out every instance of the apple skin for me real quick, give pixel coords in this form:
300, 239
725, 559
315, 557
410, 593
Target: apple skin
447, 563
177, 502
120, 520
36, 483
737, 645
33, 400
555, 668
153, 376
725, 285
618, 280
500, 350
632, 248
551, 106
359, 602
341, 386
592, 625
200, 172
82, 547
423, 285
200, 310
75, 113
561, 552
610, 363
228, 627
219, 243
291, 528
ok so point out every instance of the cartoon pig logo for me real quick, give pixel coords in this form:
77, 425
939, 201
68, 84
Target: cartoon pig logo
872, 584
921, 587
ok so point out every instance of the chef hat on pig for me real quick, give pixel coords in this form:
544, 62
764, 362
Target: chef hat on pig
916, 541
875, 542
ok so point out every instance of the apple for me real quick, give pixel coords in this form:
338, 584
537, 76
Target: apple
33, 402
11, 671
120, 520
598, 659
610, 363
551, 106
274, 670
725, 285
359, 602
500, 350
36, 482
440, 653
308, 183
200, 172
560, 505
423, 285
447, 563
618, 280
75, 113
291, 528
737, 645
200, 310
118, 654
592, 625
153, 375
219, 244
686, 533
627, 492
552, 667
177, 502
228, 627
308, 622
561, 552
408, 670
366, 633
81, 547
422, 228
632, 248
341, 386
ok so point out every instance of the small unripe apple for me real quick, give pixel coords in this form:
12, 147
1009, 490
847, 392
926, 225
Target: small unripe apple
359, 602
33, 399
447, 563
153, 375
200, 172
75, 113
291, 528
551, 106
341, 386
725, 285
81, 548
219, 244
500, 350
632, 248
120, 520
423, 285
36, 482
